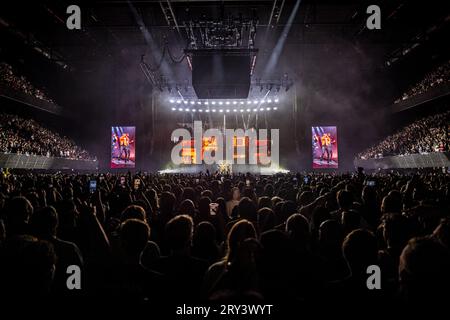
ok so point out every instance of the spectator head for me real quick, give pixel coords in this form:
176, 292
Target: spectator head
134, 235
178, 232
395, 230
360, 250
442, 233
18, 213
344, 199
350, 220
133, 212
235, 194
297, 227
45, 222
266, 219
424, 271
330, 234
264, 202
28, 266
187, 207
241, 230
167, 203
247, 209
305, 198
188, 193
392, 203
288, 208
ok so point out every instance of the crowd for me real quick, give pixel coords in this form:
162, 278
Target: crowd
432, 79
12, 80
426, 135
26, 136
194, 238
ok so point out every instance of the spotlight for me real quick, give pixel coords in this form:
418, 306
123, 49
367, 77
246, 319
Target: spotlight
242, 102
187, 109
234, 110
249, 102
206, 102
193, 110
248, 110
234, 102
180, 109
275, 108
213, 110
173, 109
200, 110
220, 102
213, 102
207, 110
268, 109
199, 102
172, 101
185, 102
276, 100
255, 101
269, 100
263, 101
221, 110
242, 110
227, 103
192, 102
254, 110
228, 110
178, 101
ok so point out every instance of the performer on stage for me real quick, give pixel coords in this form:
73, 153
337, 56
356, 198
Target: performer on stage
125, 146
327, 146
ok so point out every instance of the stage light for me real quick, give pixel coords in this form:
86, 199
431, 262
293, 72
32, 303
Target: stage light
276, 100
207, 110
206, 103
187, 109
234, 102
185, 102
255, 101
269, 100
221, 110
213, 102
268, 109
199, 102
200, 110
242, 110
178, 101
248, 110
227, 103
234, 110
193, 110
263, 101
180, 109
249, 102
254, 110
213, 110
192, 102
172, 101
173, 109
242, 102
228, 110
275, 108
220, 102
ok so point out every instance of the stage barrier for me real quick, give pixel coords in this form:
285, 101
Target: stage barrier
430, 160
21, 161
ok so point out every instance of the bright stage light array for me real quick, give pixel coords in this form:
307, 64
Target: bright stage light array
266, 104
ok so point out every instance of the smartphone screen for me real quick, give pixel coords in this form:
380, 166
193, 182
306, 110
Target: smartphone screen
306, 180
213, 206
371, 183
92, 186
137, 183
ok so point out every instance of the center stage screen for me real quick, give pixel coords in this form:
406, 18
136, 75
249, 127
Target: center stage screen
123, 147
324, 147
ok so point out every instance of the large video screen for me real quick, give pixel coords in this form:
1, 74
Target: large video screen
123, 147
325, 147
